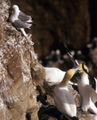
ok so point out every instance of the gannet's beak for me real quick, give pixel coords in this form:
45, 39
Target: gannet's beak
69, 74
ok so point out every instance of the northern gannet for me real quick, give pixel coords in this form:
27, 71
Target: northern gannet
20, 20
87, 93
54, 76
63, 98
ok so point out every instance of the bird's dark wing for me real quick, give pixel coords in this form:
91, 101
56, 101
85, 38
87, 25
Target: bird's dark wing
20, 24
23, 17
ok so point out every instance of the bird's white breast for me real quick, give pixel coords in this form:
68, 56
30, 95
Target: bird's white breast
13, 18
64, 101
14, 15
84, 80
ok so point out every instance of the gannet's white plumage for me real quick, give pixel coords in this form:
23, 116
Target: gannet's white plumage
20, 20
53, 75
64, 100
87, 93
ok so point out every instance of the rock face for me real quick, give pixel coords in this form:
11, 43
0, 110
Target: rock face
20, 72
53, 18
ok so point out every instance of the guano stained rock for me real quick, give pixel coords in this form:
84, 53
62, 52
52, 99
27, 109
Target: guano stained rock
18, 94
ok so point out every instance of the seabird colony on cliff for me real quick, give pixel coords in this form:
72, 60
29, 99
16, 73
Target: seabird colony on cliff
63, 98
20, 20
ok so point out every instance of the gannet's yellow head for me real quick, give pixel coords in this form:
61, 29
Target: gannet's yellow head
69, 74
83, 68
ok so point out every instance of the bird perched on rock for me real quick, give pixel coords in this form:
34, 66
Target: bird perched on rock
87, 93
63, 98
20, 20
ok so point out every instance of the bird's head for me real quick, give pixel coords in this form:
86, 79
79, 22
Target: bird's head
68, 76
83, 68
15, 7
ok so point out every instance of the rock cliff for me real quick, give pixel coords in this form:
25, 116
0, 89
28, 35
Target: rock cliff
20, 72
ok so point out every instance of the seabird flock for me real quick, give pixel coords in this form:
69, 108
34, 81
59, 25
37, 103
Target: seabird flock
62, 96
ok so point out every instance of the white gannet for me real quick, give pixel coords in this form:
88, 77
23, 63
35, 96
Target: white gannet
54, 76
63, 98
20, 20
87, 93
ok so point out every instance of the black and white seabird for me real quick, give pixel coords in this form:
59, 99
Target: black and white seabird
20, 20
88, 94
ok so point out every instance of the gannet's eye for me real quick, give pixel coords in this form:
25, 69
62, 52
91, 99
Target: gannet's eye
85, 68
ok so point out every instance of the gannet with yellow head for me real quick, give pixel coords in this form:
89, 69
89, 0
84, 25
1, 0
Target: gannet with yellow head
54, 76
63, 98
87, 93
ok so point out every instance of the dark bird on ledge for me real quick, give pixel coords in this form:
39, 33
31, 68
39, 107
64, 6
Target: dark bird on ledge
20, 20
